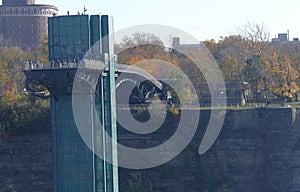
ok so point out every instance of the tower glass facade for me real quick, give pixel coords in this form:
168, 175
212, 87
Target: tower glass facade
72, 159
76, 167
68, 37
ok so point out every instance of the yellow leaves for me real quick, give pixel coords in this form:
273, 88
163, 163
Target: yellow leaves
285, 91
282, 76
174, 111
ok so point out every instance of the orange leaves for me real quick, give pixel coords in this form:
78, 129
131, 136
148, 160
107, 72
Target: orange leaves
143, 47
135, 59
141, 53
10, 94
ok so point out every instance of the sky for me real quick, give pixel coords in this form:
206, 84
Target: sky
204, 20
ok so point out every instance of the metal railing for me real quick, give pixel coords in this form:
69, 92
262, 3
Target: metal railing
40, 65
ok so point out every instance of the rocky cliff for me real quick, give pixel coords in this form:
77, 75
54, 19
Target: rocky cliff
25, 164
257, 150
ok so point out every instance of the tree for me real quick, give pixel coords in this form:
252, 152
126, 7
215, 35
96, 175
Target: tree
230, 69
139, 38
257, 36
144, 46
5, 81
148, 52
20, 114
255, 39
282, 81
292, 51
241, 57
230, 53
12, 78
41, 52
11, 63
138, 47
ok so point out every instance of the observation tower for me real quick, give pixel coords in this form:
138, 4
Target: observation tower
76, 167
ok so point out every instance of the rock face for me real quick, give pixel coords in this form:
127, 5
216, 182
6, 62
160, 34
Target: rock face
257, 150
26, 164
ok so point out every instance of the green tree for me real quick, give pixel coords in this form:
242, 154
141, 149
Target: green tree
20, 113
41, 52
229, 68
12, 77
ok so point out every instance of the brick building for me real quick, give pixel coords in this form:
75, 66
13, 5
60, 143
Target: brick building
24, 23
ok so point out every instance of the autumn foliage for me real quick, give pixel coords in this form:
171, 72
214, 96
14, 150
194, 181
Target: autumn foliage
283, 75
20, 112
267, 69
